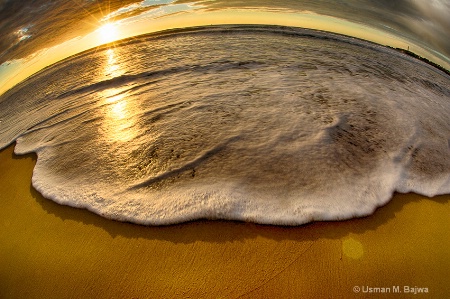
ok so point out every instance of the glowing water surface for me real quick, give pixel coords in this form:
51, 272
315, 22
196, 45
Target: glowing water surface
257, 123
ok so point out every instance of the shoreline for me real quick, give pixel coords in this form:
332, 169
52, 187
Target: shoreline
65, 252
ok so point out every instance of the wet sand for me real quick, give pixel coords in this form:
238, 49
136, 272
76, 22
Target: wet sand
53, 251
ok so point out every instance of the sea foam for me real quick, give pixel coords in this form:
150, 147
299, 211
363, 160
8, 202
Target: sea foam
266, 124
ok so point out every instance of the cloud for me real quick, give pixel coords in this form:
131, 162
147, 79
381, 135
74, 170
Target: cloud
426, 22
53, 23
433, 25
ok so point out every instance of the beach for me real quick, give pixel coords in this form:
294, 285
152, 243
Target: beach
53, 251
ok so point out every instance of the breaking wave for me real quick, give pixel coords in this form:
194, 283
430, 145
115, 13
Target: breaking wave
266, 124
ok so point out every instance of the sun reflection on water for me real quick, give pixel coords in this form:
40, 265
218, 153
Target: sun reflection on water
112, 68
119, 113
119, 125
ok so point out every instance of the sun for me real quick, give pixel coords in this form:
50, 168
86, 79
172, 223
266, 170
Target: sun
108, 33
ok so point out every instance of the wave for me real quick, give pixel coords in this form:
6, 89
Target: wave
266, 124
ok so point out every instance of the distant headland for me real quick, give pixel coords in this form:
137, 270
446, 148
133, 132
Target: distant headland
407, 52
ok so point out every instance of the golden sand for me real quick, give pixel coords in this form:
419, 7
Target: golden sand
53, 251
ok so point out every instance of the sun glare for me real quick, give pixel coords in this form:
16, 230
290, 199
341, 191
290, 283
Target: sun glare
108, 33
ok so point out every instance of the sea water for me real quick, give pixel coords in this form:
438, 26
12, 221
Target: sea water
266, 124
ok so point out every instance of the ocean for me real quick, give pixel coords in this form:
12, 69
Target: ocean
267, 124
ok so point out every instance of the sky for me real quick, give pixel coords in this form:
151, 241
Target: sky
37, 33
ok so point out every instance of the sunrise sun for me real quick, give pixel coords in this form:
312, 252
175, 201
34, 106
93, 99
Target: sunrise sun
108, 33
